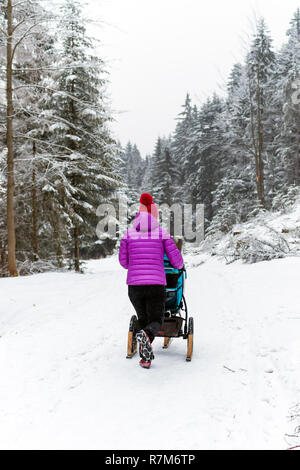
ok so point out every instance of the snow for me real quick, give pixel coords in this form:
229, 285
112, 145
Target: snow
269, 235
49, 189
58, 126
66, 384
89, 113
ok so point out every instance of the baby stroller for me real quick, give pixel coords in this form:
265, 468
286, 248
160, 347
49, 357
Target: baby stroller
176, 322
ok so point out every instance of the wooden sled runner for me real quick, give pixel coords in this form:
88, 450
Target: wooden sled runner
131, 342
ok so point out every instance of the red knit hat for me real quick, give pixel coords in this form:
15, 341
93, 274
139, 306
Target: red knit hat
147, 205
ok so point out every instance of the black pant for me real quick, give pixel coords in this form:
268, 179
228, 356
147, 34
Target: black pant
149, 303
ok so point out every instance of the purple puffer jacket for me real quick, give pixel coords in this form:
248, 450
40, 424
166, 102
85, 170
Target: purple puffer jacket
142, 252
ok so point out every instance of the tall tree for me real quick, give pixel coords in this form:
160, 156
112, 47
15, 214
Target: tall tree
260, 61
82, 129
180, 142
19, 23
203, 155
11, 235
33, 65
164, 174
286, 108
133, 167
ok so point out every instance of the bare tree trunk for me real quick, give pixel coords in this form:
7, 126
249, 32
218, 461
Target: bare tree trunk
76, 238
34, 209
11, 235
2, 257
257, 141
76, 228
296, 178
59, 252
76, 254
260, 163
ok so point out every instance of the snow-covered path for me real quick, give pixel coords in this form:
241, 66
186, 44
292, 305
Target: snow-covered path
65, 381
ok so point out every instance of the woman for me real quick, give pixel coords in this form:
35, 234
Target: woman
142, 252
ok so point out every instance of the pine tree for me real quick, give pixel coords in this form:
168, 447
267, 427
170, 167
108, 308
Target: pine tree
3, 233
147, 184
180, 143
134, 166
82, 117
33, 63
235, 195
287, 110
19, 25
203, 155
164, 173
10, 49
260, 62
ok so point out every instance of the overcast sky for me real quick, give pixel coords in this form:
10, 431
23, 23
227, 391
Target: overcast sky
158, 50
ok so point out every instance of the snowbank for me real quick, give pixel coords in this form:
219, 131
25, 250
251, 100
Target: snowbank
269, 235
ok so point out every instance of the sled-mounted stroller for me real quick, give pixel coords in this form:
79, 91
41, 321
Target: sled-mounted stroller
176, 322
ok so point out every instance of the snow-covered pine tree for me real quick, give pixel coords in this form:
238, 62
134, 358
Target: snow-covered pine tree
3, 183
204, 155
147, 186
134, 166
19, 26
10, 44
41, 220
164, 173
190, 164
180, 143
160, 174
3, 233
33, 65
82, 127
260, 63
235, 195
133, 172
287, 109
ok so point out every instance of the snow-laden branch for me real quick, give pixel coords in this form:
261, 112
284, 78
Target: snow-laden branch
81, 66
24, 36
21, 3
19, 135
58, 92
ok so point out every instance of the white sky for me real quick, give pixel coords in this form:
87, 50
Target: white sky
158, 50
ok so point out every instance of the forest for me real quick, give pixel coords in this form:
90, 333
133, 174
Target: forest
225, 316
59, 159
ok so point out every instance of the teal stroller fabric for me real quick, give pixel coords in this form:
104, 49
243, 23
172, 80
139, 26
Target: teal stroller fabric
175, 286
